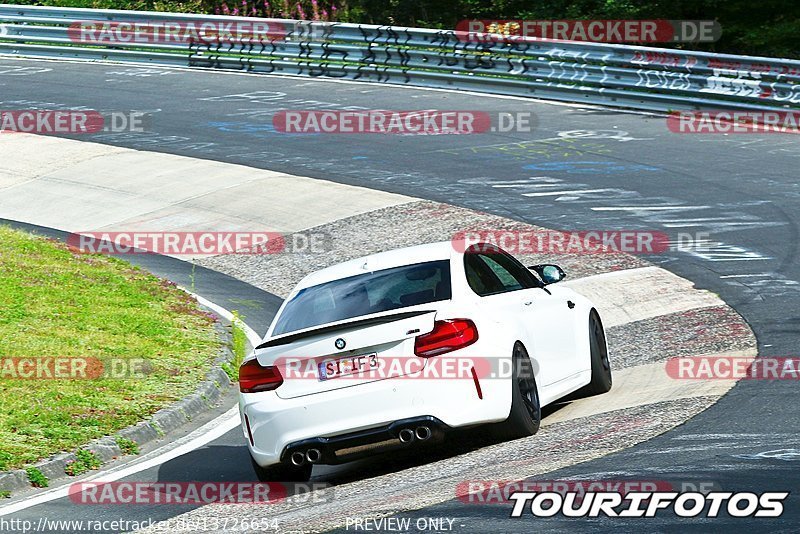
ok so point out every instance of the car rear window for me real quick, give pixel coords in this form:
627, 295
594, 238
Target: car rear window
365, 294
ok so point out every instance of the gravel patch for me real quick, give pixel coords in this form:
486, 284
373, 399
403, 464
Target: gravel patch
690, 333
390, 228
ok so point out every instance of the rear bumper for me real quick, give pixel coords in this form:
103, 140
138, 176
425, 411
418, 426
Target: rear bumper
354, 419
355, 445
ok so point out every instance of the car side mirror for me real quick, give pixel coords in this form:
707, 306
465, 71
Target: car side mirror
550, 274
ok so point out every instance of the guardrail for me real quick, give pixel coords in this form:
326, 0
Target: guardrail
635, 77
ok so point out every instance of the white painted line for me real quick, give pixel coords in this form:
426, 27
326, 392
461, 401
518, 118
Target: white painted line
701, 223
251, 334
502, 183
700, 219
558, 193
745, 275
205, 434
726, 257
648, 208
528, 184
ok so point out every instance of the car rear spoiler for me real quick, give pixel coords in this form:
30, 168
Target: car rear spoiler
344, 325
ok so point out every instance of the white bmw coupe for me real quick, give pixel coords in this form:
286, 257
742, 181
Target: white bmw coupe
401, 347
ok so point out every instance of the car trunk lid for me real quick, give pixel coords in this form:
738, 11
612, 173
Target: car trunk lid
347, 353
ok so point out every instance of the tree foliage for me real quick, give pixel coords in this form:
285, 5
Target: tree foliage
767, 27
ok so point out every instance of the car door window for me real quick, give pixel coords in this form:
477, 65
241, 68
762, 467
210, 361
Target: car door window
493, 272
520, 273
479, 277
505, 272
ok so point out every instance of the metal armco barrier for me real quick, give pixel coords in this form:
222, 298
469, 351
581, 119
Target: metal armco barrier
635, 77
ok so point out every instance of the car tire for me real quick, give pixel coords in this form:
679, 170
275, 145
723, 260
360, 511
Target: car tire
526, 410
601, 365
282, 472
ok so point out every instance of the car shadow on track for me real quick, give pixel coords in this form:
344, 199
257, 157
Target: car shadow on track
231, 462
457, 443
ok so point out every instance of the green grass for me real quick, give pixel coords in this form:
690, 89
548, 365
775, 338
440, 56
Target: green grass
127, 446
239, 349
55, 301
37, 479
85, 461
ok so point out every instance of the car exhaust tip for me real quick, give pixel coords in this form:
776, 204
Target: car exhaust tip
423, 433
406, 435
313, 456
298, 458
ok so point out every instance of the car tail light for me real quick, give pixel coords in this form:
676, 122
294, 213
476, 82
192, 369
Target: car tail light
446, 336
253, 377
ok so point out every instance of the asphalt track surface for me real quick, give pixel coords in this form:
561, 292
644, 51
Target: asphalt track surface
580, 169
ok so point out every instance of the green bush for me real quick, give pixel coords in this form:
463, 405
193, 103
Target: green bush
136, 5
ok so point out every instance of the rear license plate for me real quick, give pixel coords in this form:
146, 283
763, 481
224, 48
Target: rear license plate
351, 365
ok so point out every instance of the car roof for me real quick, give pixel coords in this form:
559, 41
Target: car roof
382, 260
